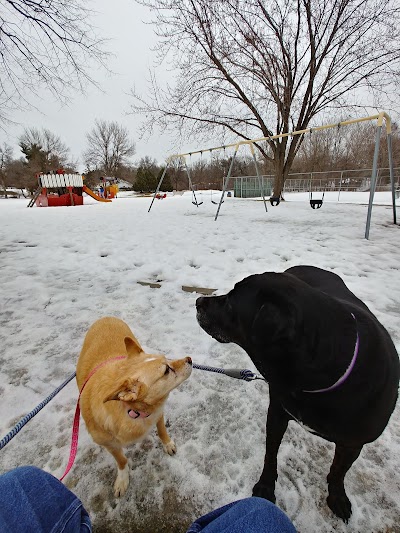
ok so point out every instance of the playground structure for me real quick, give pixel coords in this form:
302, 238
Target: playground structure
108, 188
380, 118
61, 189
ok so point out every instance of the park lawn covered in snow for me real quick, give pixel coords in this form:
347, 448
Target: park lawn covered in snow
62, 268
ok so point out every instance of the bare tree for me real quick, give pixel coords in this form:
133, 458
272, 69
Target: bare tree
321, 150
6, 153
255, 68
45, 44
109, 147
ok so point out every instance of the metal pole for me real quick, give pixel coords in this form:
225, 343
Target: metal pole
340, 185
159, 185
226, 181
381, 116
260, 184
373, 179
391, 171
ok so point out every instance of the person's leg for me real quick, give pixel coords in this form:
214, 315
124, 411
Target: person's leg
33, 500
251, 515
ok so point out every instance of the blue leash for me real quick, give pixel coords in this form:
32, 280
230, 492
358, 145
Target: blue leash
246, 375
16, 429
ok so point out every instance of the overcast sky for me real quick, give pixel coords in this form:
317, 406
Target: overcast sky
131, 40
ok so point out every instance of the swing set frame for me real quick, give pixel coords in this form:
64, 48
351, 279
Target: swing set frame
380, 119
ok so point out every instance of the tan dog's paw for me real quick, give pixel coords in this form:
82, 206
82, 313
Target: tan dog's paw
170, 448
122, 481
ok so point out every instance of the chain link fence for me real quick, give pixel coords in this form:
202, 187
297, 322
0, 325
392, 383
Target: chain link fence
334, 180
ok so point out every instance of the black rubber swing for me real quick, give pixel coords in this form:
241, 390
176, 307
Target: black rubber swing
275, 200
213, 201
316, 204
195, 202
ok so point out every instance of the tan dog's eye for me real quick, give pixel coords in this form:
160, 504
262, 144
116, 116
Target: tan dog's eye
167, 370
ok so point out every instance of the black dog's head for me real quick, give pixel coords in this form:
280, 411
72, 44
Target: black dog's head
257, 311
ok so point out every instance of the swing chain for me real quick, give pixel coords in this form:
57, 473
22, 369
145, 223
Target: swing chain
315, 204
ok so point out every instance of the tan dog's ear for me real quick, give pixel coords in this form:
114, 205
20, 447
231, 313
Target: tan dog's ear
128, 391
132, 346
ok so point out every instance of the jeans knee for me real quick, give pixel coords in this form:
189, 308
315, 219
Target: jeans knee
23, 470
31, 472
258, 503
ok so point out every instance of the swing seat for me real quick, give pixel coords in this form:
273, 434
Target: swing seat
197, 203
216, 203
316, 204
274, 200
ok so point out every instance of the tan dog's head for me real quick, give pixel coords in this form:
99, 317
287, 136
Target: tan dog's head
145, 380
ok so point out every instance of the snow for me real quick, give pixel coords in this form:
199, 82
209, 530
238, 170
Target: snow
64, 267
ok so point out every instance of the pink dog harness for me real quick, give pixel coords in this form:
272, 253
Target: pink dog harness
75, 427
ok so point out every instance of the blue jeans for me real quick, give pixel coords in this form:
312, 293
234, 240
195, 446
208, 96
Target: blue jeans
33, 500
251, 515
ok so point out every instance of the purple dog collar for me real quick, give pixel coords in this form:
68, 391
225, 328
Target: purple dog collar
341, 380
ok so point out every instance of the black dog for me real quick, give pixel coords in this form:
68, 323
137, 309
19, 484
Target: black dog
329, 363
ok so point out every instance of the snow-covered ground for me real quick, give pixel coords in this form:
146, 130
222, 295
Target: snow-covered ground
64, 267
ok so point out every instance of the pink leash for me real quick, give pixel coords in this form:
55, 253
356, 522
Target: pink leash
75, 426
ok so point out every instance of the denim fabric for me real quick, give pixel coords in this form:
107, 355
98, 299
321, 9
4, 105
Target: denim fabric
251, 515
34, 501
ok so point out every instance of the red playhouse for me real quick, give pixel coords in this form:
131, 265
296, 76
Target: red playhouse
58, 188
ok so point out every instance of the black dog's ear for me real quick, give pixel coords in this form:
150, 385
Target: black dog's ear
273, 322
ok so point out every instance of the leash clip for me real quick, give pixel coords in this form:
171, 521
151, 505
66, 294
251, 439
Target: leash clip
256, 376
248, 375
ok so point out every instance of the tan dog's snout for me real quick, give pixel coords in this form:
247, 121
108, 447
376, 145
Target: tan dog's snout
182, 366
180, 363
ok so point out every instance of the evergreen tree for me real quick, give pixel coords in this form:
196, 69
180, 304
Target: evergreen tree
166, 184
146, 181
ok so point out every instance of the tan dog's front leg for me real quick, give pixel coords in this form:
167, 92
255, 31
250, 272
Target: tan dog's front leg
168, 443
122, 479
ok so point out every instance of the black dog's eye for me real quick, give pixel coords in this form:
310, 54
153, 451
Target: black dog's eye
167, 370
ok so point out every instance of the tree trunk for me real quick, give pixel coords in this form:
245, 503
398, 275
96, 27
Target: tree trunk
283, 160
3, 184
281, 170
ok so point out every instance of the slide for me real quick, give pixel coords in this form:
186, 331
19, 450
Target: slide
94, 195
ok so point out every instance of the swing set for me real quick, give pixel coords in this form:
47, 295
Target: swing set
275, 200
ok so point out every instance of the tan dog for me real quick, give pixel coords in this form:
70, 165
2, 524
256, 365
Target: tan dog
125, 394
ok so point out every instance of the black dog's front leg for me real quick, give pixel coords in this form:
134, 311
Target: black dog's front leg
337, 498
277, 422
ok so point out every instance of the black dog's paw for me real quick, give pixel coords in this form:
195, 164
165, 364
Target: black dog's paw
340, 505
262, 490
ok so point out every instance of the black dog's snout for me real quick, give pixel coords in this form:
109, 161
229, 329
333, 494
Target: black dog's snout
200, 302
